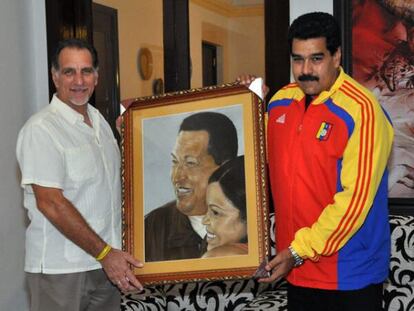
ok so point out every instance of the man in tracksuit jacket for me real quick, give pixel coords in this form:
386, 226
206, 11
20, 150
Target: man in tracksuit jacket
328, 146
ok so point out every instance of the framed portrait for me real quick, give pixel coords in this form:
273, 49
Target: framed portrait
195, 201
378, 51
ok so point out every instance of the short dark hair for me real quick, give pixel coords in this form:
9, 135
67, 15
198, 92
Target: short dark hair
231, 178
76, 44
316, 25
222, 140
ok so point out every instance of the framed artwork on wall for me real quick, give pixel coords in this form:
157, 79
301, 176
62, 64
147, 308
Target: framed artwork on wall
195, 200
378, 51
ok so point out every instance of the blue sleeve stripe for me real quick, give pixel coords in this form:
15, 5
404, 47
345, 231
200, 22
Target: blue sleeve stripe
341, 113
279, 102
386, 115
338, 176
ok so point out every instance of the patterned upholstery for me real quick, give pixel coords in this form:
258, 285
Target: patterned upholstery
248, 295
219, 295
399, 288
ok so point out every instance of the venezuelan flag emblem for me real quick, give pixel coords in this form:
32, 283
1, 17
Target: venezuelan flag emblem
324, 131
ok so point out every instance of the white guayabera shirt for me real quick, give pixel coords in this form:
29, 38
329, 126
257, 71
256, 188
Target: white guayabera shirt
55, 148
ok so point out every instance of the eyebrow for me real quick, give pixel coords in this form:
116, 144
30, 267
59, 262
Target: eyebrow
186, 157
215, 205
73, 69
314, 54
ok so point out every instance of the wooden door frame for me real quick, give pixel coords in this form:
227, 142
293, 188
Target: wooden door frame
212, 47
115, 98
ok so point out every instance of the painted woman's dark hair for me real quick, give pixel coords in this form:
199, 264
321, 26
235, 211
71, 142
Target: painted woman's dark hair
231, 178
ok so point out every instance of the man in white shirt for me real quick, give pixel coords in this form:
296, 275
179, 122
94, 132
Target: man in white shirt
70, 165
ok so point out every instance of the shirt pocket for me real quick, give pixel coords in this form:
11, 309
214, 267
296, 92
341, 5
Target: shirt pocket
113, 152
111, 157
81, 163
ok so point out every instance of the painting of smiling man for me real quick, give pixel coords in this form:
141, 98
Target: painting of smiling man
188, 149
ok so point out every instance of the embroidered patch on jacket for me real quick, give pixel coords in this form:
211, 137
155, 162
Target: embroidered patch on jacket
324, 131
281, 119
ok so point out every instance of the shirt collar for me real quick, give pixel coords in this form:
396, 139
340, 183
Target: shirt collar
71, 115
197, 224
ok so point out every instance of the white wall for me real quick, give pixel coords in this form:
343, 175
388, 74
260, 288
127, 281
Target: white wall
23, 82
299, 7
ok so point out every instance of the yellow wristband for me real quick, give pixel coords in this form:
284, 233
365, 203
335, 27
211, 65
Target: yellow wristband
104, 252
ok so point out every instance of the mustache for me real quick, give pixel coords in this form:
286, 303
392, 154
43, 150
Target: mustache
304, 78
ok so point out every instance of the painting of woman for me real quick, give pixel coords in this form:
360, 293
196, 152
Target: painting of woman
226, 220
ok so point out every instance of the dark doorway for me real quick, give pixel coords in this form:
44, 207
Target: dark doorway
176, 45
209, 64
66, 19
105, 40
277, 58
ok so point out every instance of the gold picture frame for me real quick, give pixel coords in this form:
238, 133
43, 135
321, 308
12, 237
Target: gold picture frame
149, 131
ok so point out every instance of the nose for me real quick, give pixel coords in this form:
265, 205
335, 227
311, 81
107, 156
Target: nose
307, 67
177, 173
206, 220
78, 78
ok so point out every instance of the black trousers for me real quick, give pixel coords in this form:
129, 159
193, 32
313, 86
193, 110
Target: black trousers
310, 299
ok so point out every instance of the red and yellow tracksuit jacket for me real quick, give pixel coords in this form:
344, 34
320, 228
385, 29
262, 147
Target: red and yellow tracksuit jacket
327, 167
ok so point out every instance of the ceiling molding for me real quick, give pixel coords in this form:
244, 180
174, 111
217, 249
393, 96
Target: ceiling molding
229, 10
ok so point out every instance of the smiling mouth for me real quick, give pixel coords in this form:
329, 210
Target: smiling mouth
183, 191
82, 90
210, 236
